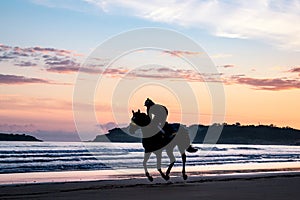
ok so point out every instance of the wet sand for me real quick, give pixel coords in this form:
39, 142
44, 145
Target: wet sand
276, 185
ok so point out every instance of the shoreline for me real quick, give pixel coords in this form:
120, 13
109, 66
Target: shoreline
121, 174
278, 180
237, 185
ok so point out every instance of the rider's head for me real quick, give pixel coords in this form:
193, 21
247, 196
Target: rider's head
149, 102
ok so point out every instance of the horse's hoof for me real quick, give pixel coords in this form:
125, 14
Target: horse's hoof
150, 178
167, 177
184, 176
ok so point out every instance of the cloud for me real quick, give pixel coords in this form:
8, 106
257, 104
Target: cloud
182, 53
175, 74
17, 128
295, 70
43, 56
26, 64
14, 79
111, 72
70, 68
237, 76
274, 84
51, 59
227, 66
32, 51
6, 57
63, 69
44, 50
267, 20
61, 65
47, 50
107, 126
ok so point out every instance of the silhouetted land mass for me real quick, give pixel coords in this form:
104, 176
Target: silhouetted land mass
231, 134
18, 137
262, 134
117, 135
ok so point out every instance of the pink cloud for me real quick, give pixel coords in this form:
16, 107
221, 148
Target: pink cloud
179, 74
295, 70
182, 53
48, 50
228, 66
274, 84
14, 79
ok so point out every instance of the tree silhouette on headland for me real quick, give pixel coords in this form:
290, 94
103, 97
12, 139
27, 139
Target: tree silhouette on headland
231, 134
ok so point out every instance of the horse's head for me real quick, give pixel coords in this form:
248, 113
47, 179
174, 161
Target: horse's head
138, 120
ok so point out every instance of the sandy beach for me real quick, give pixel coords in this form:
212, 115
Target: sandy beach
263, 185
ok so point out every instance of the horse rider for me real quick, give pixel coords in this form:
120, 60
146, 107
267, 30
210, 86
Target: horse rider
158, 115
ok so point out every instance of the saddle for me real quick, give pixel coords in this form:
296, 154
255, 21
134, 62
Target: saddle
170, 130
161, 139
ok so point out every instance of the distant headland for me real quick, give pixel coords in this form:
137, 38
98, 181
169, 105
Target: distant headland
18, 137
231, 134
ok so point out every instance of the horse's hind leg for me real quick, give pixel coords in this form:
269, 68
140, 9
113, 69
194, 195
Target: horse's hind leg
183, 144
183, 156
146, 158
172, 161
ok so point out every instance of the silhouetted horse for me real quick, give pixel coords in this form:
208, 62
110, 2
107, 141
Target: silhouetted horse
155, 141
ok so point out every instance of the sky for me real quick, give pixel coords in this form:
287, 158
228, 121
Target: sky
48, 49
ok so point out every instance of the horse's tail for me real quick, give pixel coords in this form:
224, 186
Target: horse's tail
183, 140
191, 149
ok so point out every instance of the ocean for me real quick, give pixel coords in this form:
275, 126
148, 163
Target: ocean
21, 157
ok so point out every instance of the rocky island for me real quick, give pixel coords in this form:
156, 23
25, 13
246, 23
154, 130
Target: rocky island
18, 137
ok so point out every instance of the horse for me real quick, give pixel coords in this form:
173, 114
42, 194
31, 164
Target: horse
155, 141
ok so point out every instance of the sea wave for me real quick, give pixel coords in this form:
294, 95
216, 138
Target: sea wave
16, 157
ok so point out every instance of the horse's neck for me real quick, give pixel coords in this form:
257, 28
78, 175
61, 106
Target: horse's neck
146, 131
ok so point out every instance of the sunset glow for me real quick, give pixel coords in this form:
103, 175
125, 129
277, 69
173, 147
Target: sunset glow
258, 63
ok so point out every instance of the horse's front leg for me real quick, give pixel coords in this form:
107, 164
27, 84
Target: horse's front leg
158, 164
146, 158
172, 161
